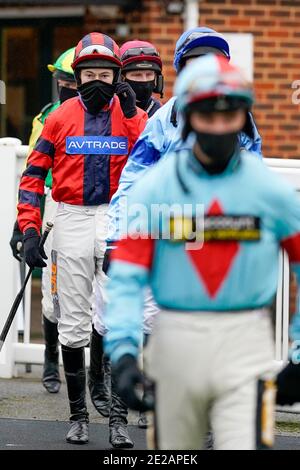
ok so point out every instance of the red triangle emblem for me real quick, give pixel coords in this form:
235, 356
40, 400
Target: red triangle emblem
214, 260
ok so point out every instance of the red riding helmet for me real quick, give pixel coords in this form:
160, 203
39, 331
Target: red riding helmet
137, 55
97, 50
142, 55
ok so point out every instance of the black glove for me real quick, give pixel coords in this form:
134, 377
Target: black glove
16, 242
127, 99
107, 256
288, 385
34, 255
128, 376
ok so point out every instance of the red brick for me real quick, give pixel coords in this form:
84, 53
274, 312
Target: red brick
288, 65
265, 44
265, 86
222, 11
274, 136
266, 2
277, 76
277, 54
240, 22
278, 116
276, 96
278, 34
264, 106
174, 30
217, 21
291, 3
285, 148
280, 13
256, 13
290, 24
264, 23
242, 2
292, 45
264, 64
206, 11
288, 127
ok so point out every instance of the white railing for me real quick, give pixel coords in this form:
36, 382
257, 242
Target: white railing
8, 274
12, 156
24, 311
290, 170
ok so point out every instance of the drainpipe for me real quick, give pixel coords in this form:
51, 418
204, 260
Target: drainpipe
191, 14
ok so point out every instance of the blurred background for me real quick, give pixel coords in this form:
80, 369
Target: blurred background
265, 36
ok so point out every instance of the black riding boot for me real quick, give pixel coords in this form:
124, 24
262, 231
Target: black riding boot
74, 366
118, 433
143, 421
98, 386
51, 379
107, 374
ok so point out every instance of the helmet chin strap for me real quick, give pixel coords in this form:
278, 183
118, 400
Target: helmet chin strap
159, 86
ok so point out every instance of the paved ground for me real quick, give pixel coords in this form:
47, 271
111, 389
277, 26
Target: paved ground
44, 435
26, 398
21, 434
24, 434
33, 419
287, 442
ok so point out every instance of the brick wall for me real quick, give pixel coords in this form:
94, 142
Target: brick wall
151, 23
276, 28
275, 25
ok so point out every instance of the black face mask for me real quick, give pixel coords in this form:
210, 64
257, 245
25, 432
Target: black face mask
143, 91
66, 93
219, 147
96, 94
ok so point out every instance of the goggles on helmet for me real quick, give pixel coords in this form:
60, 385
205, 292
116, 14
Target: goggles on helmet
89, 50
138, 51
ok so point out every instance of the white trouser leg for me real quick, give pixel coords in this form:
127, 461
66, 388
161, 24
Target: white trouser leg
99, 308
47, 301
151, 309
100, 278
236, 421
74, 256
181, 406
206, 367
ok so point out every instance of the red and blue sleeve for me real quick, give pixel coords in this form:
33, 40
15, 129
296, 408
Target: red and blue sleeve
32, 182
